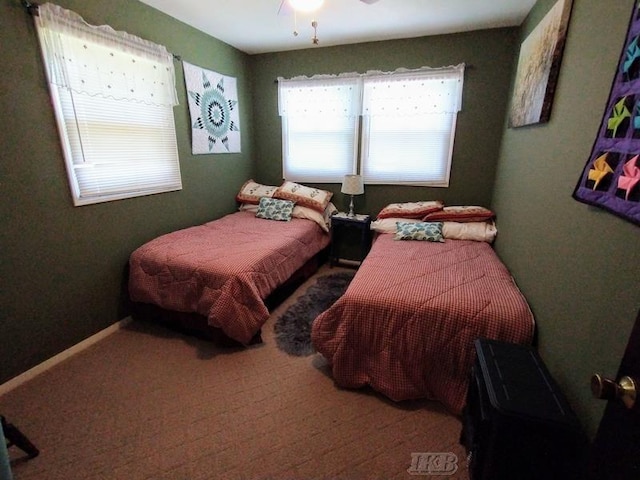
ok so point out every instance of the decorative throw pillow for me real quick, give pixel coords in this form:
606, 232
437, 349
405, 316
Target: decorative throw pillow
470, 213
410, 209
427, 231
275, 209
305, 196
251, 192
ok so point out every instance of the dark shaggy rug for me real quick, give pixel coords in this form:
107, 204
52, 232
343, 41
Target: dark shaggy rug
293, 328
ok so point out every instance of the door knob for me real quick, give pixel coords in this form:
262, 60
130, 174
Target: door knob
607, 389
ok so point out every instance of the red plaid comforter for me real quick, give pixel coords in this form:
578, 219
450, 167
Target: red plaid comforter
407, 322
223, 269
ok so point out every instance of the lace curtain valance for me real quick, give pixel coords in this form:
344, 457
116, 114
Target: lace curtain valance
403, 92
82, 58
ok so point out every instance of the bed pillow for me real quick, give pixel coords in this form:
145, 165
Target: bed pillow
248, 207
476, 231
388, 225
426, 231
321, 219
304, 196
275, 209
251, 192
462, 214
410, 209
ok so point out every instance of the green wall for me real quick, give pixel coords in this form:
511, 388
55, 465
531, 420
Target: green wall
62, 266
488, 54
578, 266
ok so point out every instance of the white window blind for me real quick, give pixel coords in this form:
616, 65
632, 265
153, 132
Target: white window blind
113, 95
407, 132
409, 126
319, 128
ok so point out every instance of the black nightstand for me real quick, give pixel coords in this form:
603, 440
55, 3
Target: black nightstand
340, 223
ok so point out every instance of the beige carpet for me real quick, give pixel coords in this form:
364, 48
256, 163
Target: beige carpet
148, 403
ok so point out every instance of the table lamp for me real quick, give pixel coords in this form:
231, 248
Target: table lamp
352, 185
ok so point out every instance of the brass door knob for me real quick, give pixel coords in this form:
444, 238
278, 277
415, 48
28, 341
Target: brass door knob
608, 389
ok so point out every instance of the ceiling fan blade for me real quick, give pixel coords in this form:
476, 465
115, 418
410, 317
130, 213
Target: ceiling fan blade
285, 8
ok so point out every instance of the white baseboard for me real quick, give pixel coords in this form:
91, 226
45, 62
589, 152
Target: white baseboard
69, 352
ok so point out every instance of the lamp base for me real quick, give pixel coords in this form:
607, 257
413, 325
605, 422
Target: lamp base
351, 212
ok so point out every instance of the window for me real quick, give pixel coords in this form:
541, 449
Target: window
319, 128
406, 132
113, 96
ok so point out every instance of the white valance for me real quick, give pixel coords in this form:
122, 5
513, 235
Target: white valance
403, 92
82, 58
319, 95
413, 92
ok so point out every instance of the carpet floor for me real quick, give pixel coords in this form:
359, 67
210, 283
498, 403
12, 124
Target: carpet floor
149, 403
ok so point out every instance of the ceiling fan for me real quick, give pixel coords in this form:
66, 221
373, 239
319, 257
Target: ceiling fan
305, 6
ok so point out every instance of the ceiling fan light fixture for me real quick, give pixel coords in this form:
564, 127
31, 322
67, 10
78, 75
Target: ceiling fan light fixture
306, 5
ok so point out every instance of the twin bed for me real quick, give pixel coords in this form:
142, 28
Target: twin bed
405, 325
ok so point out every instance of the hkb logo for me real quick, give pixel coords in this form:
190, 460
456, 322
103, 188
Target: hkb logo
430, 463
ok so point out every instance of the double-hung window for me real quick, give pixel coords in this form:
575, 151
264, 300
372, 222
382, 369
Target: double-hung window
113, 96
405, 126
319, 127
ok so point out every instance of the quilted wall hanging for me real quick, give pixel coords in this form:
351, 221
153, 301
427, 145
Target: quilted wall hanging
213, 106
611, 177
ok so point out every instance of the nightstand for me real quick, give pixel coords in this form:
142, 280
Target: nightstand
341, 223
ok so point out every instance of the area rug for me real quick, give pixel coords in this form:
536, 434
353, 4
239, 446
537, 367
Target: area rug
293, 328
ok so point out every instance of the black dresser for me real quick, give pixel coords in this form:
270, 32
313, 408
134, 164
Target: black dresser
517, 424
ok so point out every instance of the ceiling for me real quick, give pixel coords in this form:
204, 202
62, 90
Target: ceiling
256, 26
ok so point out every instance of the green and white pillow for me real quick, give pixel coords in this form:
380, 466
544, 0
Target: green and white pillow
275, 209
426, 231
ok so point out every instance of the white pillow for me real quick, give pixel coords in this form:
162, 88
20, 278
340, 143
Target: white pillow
321, 219
478, 231
388, 225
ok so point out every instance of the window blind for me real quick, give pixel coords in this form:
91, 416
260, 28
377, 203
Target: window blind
113, 95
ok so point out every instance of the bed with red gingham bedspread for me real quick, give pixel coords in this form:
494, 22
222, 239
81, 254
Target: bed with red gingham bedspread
407, 322
223, 269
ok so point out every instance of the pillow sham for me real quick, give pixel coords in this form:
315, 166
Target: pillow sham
462, 214
388, 225
275, 209
477, 231
302, 195
425, 231
251, 192
410, 209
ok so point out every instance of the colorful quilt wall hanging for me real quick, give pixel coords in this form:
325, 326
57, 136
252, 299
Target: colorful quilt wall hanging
213, 107
611, 177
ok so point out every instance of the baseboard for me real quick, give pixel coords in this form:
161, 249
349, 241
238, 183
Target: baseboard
69, 352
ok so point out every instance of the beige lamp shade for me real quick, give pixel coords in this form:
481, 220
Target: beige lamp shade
353, 185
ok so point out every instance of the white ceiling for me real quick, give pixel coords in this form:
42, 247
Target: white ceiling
254, 26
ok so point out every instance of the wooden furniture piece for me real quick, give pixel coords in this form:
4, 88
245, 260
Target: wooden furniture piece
340, 224
517, 423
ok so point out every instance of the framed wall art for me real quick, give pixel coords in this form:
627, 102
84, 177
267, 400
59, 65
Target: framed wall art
538, 67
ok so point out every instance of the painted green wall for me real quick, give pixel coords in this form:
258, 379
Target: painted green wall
578, 266
488, 54
62, 266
